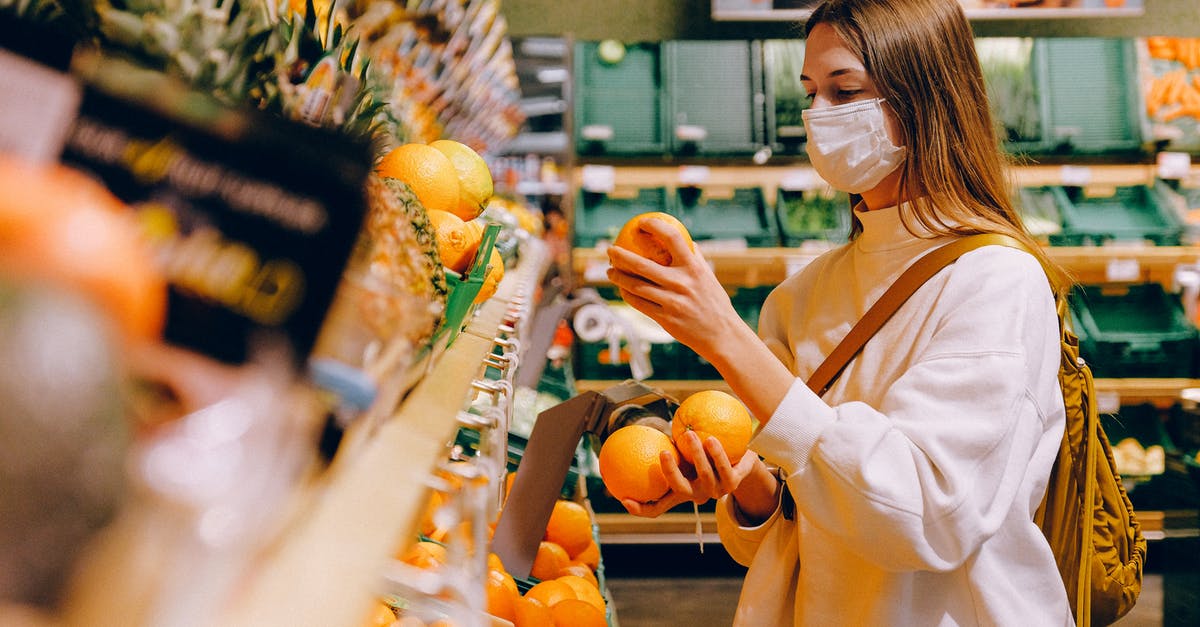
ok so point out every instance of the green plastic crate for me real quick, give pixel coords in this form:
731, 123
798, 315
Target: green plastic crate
1040, 211
742, 215
671, 360
785, 95
1134, 330
600, 216
810, 215
463, 288
468, 440
1141, 422
1134, 213
1089, 94
717, 86
624, 100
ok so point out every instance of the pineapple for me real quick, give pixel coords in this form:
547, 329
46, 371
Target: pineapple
399, 248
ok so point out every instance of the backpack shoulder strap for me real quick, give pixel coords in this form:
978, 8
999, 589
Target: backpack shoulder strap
904, 287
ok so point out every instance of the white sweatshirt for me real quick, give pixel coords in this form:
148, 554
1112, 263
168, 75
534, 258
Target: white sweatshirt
917, 475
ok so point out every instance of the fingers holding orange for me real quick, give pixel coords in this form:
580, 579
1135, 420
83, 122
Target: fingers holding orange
657, 236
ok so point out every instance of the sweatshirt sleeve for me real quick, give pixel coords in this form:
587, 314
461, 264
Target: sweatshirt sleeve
934, 470
742, 542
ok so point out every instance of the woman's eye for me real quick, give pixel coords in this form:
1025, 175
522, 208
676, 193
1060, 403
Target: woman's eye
808, 98
848, 93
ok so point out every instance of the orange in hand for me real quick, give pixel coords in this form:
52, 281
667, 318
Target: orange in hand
634, 236
630, 466
717, 414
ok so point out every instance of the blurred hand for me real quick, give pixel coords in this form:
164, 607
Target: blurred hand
712, 476
685, 298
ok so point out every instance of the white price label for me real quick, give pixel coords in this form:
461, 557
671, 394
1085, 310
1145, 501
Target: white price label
1108, 402
694, 174
800, 180
1123, 270
1174, 165
597, 133
37, 107
1075, 175
600, 179
596, 272
690, 133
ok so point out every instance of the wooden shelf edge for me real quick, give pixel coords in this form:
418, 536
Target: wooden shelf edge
1146, 389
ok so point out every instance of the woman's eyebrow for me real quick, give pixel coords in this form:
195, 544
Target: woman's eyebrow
835, 73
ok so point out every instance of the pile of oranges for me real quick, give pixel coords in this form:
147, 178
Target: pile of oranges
454, 184
566, 591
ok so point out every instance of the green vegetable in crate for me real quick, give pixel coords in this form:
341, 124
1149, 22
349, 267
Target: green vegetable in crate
1007, 65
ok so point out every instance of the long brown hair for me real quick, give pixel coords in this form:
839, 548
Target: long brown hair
921, 56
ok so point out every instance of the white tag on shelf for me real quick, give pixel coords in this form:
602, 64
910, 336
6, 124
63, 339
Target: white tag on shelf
600, 179
1108, 401
799, 180
694, 175
1123, 270
37, 107
1174, 165
690, 133
597, 132
1075, 175
596, 272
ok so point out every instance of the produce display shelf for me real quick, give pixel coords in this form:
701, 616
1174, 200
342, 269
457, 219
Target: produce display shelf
323, 580
1131, 391
770, 266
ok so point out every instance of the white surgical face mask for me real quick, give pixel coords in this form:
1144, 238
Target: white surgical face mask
849, 147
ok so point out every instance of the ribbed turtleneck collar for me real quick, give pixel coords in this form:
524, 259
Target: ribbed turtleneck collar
883, 229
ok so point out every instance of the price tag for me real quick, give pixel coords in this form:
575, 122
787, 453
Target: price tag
596, 272
1075, 175
1123, 270
1108, 402
597, 133
690, 133
1174, 165
600, 179
38, 105
800, 180
694, 175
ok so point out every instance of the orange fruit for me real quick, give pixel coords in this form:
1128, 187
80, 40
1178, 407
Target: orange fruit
427, 171
550, 559
475, 185
492, 280
493, 562
570, 526
579, 569
550, 592
717, 414
584, 590
575, 613
453, 241
474, 232
381, 616
427, 555
629, 464
502, 594
589, 557
633, 236
508, 482
532, 613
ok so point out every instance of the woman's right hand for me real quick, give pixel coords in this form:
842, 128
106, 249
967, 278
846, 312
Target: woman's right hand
713, 475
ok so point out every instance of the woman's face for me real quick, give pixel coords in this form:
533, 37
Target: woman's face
834, 75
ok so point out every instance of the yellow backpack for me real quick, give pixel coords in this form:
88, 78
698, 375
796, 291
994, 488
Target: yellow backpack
1086, 515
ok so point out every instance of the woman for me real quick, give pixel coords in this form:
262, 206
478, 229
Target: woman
915, 477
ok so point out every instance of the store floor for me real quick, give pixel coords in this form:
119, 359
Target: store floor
675, 586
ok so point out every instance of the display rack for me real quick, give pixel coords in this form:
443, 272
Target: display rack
326, 571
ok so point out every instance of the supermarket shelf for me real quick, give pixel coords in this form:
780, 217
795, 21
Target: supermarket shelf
670, 528
327, 567
677, 528
769, 266
1129, 391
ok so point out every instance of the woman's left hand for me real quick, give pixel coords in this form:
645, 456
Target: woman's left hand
712, 476
685, 298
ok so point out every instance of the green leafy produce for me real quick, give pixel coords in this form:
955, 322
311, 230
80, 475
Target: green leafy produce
1007, 64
